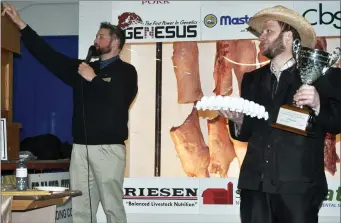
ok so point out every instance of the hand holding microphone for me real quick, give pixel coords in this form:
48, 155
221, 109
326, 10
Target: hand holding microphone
91, 52
84, 69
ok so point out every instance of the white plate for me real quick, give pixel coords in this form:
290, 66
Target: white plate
53, 189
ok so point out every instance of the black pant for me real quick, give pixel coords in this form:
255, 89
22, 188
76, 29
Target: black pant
261, 207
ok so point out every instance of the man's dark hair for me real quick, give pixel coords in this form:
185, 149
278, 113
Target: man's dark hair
115, 31
286, 27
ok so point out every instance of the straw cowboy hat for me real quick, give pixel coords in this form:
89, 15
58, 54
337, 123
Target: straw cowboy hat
291, 17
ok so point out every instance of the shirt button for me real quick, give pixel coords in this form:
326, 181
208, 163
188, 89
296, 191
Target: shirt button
269, 146
267, 161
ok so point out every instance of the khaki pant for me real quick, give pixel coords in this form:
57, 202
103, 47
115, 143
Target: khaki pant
6, 209
106, 175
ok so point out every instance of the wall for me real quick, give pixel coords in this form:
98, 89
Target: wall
51, 18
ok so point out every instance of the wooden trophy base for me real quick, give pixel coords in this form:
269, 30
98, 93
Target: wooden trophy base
290, 129
294, 119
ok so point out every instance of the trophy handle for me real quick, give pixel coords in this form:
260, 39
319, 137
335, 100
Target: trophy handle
333, 58
296, 47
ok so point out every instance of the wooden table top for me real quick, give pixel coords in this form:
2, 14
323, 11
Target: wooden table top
29, 202
68, 193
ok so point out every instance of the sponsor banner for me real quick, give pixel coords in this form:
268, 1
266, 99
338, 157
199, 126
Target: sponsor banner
331, 206
61, 179
170, 21
228, 20
200, 196
158, 21
155, 21
325, 16
161, 195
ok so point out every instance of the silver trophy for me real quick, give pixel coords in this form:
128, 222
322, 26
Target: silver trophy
311, 64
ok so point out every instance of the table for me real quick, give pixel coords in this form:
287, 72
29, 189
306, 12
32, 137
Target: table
39, 208
24, 203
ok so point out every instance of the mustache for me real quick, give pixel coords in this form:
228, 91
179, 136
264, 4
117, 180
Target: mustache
262, 43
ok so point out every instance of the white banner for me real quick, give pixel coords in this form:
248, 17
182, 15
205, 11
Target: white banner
158, 21
200, 196
169, 21
155, 21
325, 16
161, 195
228, 20
331, 206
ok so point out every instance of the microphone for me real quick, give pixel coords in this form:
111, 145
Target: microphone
91, 52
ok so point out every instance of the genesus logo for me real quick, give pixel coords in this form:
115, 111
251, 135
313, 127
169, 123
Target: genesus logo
127, 19
135, 28
218, 195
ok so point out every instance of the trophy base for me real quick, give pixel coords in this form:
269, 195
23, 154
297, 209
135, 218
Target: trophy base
294, 119
293, 130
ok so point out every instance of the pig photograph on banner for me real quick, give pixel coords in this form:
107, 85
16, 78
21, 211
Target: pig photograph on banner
197, 143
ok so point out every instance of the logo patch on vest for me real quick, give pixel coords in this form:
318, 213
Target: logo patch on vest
107, 79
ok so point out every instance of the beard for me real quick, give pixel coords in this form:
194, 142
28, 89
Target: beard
103, 50
275, 48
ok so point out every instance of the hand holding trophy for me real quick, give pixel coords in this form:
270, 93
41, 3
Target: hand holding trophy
312, 64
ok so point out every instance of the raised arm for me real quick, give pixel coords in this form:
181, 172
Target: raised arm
56, 62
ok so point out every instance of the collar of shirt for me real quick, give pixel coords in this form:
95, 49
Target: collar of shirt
288, 64
104, 63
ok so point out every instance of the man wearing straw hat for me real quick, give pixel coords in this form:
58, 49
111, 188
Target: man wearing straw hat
282, 178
